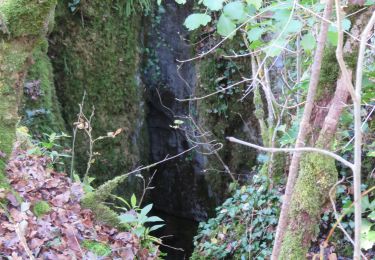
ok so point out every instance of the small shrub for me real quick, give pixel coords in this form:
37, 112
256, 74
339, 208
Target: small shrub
41, 208
244, 225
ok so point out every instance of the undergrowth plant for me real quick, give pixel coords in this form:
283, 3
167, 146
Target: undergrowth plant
244, 225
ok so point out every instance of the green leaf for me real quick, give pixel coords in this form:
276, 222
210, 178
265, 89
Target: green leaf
365, 203
371, 236
127, 218
193, 21
294, 26
256, 3
146, 210
371, 215
180, 2
225, 26
156, 227
255, 34
235, 10
346, 24
332, 37
214, 5
371, 154
308, 42
154, 219
276, 47
281, 15
366, 226
133, 201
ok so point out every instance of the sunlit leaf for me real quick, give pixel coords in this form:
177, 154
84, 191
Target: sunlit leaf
214, 5
235, 10
194, 21
156, 227
308, 42
255, 34
154, 219
225, 26
256, 3
146, 210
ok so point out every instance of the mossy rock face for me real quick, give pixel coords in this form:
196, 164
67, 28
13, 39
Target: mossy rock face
29, 20
26, 17
224, 115
95, 50
41, 109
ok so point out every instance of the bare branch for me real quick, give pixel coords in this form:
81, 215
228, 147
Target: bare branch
291, 150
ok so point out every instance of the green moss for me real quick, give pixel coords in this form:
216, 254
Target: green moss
98, 53
103, 214
100, 249
95, 200
41, 114
23, 18
26, 17
317, 175
330, 70
41, 208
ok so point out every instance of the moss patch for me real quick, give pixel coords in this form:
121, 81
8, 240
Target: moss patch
26, 17
41, 208
100, 249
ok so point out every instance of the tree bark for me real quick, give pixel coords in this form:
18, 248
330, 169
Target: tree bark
23, 24
294, 165
318, 172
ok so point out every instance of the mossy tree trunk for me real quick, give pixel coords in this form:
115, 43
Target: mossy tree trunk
318, 172
24, 23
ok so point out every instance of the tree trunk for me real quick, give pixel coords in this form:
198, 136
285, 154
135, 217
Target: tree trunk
318, 172
23, 24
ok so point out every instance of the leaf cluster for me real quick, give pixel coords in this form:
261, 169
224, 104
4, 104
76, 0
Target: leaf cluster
243, 227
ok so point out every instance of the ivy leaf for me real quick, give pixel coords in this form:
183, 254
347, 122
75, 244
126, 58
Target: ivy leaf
255, 34
308, 42
235, 10
256, 3
225, 26
193, 21
214, 5
180, 2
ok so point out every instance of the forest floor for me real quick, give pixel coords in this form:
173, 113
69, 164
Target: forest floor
41, 218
